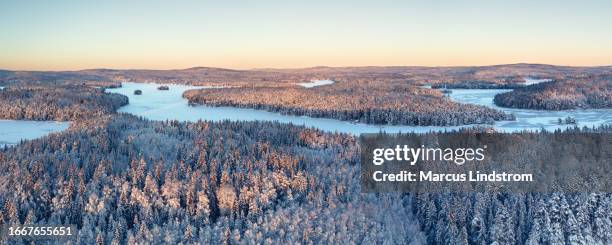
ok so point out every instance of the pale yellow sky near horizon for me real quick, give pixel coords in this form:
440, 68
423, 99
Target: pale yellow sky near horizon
74, 35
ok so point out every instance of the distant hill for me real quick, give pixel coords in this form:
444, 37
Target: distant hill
270, 76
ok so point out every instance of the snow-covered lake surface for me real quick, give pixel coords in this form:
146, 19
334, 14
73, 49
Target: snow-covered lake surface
156, 104
531, 119
316, 83
13, 131
530, 81
161, 105
170, 105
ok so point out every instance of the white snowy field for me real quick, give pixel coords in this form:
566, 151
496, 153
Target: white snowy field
316, 83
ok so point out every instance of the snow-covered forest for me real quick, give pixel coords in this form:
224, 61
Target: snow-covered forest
58, 103
373, 102
124, 179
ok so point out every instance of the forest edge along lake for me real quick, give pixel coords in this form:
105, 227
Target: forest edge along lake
156, 104
170, 105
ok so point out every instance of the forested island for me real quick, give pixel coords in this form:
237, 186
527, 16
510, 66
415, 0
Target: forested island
373, 102
569, 93
122, 179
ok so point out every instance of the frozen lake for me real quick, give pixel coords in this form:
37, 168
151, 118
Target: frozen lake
531, 119
316, 83
530, 81
13, 131
162, 105
170, 105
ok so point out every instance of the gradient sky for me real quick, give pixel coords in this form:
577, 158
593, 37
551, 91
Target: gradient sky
71, 35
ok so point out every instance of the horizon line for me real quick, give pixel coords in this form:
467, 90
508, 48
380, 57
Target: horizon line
306, 67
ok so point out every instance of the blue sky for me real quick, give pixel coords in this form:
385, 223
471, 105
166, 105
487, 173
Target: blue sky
69, 35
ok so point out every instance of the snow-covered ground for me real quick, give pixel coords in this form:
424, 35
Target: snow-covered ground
316, 83
530, 81
13, 131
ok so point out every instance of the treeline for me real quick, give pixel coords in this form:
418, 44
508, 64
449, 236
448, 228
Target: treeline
124, 180
505, 83
373, 102
60, 103
417, 75
571, 93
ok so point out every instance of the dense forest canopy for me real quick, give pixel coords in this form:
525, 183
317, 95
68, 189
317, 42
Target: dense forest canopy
123, 179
